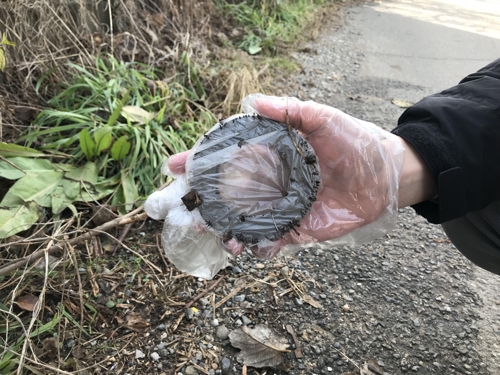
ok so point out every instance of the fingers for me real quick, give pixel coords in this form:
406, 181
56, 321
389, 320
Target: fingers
176, 164
233, 246
306, 117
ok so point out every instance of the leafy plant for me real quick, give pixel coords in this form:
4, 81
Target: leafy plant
124, 119
266, 22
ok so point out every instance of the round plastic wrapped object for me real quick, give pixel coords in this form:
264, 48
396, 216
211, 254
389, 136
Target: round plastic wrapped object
252, 179
249, 179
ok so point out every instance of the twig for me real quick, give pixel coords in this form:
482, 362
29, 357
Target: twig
298, 353
123, 234
235, 291
204, 292
131, 217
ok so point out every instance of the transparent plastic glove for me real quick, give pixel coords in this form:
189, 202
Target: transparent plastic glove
360, 166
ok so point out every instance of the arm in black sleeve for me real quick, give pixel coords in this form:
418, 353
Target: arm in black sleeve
457, 133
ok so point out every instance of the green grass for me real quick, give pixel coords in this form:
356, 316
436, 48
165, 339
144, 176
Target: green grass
124, 118
267, 22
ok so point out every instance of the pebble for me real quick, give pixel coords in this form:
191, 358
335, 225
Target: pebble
161, 327
222, 333
236, 270
259, 266
225, 364
346, 307
246, 321
155, 356
239, 298
189, 313
204, 301
198, 356
285, 271
214, 323
70, 343
163, 352
191, 370
139, 354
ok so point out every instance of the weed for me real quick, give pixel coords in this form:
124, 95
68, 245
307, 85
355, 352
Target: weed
266, 23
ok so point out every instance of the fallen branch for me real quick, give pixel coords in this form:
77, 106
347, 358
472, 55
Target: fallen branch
131, 217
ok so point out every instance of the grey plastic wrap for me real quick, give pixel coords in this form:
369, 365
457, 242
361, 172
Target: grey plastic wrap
269, 190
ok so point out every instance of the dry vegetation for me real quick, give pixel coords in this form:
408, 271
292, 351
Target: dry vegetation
77, 293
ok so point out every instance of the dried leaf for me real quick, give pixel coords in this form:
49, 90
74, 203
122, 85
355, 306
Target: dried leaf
137, 114
371, 367
135, 322
401, 103
50, 347
27, 302
260, 347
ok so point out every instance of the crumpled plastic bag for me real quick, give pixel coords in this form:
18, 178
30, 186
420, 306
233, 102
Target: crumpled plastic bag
245, 179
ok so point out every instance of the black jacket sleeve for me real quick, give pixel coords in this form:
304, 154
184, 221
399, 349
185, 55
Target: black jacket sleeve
457, 133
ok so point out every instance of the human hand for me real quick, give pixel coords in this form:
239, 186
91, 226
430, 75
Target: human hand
360, 168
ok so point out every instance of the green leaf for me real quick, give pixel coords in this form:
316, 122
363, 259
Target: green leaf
116, 113
87, 173
8, 150
59, 200
18, 219
71, 188
94, 194
87, 145
36, 188
24, 166
121, 148
103, 138
130, 193
6, 42
254, 49
110, 304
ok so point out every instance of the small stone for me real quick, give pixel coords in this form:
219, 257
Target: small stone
204, 301
285, 271
214, 323
336, 344
189, 314
246, 321
139, 354
416, 323
93, 343
155, 356
161, 345
299, 301
322, 296
191, 370
226, 364
236, 270
222, 333
259, 266
239, 298
238, 322
346, 307
415, 368
70, 344
329, 369
161, 327
163, 352
214, 365
198, 356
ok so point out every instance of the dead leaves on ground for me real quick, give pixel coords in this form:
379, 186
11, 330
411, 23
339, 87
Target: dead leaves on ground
134, 321
27, 302
260, 346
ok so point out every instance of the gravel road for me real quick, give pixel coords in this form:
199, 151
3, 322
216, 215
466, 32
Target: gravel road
416, 305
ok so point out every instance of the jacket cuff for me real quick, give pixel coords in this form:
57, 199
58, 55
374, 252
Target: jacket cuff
452, 201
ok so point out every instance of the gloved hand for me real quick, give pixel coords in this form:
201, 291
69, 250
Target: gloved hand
360, 164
